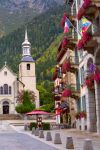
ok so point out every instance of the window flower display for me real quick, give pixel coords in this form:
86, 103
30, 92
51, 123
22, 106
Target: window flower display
66, 66
67, 93
97, 77
80, 115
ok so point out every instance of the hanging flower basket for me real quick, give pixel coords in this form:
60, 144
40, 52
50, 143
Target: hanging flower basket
81, 12
89, 81
86, 4
67, 93
82, 114
66, 67
86, 38
83, 8
80, 45
64, 42
97, 77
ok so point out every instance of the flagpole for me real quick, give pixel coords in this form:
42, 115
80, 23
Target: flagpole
75, 28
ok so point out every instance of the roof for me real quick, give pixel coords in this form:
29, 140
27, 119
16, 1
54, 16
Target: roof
27, 59
6, 66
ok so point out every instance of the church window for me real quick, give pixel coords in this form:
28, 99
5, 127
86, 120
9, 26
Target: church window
9, 89
28, 66
1, 90
5, 73
5, 89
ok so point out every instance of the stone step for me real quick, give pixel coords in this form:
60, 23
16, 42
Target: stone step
9, 117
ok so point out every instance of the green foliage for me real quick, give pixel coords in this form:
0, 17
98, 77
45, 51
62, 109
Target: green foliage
46, 63
26, 105
32, 124
46, 126
48, 107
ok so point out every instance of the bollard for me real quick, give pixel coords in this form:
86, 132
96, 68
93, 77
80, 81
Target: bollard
69, 143
88, 145
48, 136
25, 127
36, 132
57, 139
33, 130
41, 134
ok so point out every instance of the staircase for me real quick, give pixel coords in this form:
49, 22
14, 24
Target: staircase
10, 117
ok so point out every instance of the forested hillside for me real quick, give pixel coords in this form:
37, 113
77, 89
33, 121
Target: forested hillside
42, 31
14, 13
45, 64
44, 69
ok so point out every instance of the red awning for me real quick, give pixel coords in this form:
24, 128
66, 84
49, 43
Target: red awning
37, 112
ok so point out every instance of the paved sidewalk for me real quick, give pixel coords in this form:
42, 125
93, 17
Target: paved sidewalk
78, 138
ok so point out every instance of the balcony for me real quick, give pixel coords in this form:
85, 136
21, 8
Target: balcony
89, 9
74, 62
62, 48
70, 65
71, 91
89, 79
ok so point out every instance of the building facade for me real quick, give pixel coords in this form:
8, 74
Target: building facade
11, 84
87, 45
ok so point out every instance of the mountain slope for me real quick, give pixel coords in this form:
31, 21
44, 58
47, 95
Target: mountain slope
42, 31
14, 13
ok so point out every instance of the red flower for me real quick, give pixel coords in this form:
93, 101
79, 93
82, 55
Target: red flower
97, 77
64, 42
86, 37
82, 114
80, 13
80, 44
86, 4
66, 93
66, 67
89, 82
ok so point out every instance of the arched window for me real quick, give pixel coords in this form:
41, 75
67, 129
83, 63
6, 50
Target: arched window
5, 88
28, 66
1, 90
9, 89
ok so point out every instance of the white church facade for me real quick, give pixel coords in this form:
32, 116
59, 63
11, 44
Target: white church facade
10, 84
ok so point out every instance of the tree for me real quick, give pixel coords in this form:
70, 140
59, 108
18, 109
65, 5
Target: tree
25, 104
21, 96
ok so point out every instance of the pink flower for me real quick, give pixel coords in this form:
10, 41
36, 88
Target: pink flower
66, 93
64, 42
80, 44
86, 4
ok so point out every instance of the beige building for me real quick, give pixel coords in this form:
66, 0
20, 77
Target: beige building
10, 84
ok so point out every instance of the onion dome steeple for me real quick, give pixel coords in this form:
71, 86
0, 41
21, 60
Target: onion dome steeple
26, 49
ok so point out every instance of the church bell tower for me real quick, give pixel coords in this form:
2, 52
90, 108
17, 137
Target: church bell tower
27, 74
